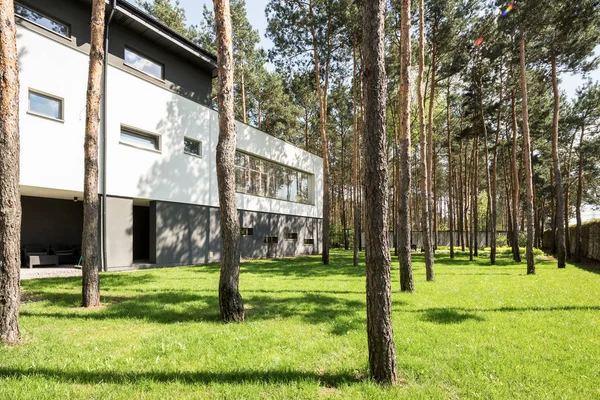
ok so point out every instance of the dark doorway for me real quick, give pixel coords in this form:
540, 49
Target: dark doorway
141, 233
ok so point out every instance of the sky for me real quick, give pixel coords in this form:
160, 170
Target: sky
256, 16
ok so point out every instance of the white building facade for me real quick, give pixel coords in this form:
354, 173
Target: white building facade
157, 143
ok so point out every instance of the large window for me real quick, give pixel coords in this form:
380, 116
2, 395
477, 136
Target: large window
140, 139
144, 64
42, 20
45, 105
263, 178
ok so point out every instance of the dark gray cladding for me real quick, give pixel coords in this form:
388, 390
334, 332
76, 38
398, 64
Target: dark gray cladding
51, 222
186, 234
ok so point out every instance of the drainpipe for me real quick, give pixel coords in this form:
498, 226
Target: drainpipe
113, 4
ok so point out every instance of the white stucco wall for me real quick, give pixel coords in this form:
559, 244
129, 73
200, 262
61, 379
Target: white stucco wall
52, 151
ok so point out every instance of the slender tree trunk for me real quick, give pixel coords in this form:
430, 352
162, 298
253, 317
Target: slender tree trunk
426, 227
356, 155
243, 85
558, 189
430, 142
450, 176
306, 144
434, 210
475, 211
405, 234
382, 350
10, 198
494, 216
230, 300
516, 184
578, 250
322, 96
487, 169
527, 164
89, 241
343, 198
461, 206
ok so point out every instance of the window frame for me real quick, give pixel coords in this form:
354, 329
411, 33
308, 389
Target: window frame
309, 241
199, 155
291, 236
46, 15
142, 133
48, 96
277, 177
246, 231
142, 55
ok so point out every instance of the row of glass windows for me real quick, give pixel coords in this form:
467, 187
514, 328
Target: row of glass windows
131, 58
259, 177
275, 239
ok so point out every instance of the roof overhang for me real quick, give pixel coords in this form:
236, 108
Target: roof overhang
153, 30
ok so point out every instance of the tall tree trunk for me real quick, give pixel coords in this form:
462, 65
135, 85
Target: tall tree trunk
382, 350
487, 169
230, 300
578, 250
461, 207
426, 227
405, 234
434, 209
89, 241
10, 198
322, 96
494, 209
430, 142
516, 184
306, 144
356, 154
475, 211
450, 176
243, 86
527, 163
558, 189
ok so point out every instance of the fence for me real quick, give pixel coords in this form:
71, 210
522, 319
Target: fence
590, 239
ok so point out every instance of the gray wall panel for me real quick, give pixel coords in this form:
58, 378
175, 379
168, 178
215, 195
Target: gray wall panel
119, 233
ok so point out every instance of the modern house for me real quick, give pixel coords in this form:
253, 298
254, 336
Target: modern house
158, 139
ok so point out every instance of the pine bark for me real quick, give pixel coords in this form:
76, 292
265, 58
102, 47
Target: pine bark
578, 250
450, 176
527, 163
404, 156
89, 242
487, 172
515, 185
230, 300
426, 218
355, 155
10, 198
494, 208
382, 353
558, 190
322, 96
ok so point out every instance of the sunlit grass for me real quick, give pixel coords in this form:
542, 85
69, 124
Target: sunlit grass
477, 332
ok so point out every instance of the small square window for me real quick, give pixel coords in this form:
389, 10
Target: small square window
144, 64
42, 20
309, 241
271, 240
45, 105
247, 231
291, 236
140, 139
192, 147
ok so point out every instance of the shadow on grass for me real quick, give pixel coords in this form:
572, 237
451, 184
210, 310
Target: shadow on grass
341, 315
449, 316
115, 377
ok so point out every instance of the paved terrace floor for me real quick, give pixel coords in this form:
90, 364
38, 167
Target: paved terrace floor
61, 271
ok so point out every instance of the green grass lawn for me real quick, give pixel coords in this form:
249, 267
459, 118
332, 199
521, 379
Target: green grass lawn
477, 332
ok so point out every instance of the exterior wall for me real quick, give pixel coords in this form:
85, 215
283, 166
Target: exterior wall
179, 187
119, 234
